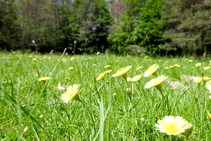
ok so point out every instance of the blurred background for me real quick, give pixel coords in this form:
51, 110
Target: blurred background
154, 27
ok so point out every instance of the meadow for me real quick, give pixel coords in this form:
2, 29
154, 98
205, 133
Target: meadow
107, 108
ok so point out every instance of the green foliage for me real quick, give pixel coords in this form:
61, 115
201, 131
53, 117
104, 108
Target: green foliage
187, 25
91, 19
150, 32
8, 25
139, 25
33, 110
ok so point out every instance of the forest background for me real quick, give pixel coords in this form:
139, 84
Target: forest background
175, 27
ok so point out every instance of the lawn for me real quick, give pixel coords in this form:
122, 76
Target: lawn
107, 108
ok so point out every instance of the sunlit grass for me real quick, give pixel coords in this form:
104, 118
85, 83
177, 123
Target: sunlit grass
33, 110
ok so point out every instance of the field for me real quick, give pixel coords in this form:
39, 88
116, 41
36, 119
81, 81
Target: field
110, 108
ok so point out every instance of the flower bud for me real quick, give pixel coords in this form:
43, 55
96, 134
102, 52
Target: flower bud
129, 92
114, 95
188, 130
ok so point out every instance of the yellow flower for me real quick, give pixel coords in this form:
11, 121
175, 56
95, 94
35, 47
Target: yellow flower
209, 115
139, 68
108, 71
190, 61
145, 57
128, 78
210, 97
72, 58
205, 78
186, 59
103, 74
155, 82
198, 64
206, 68
171, 67
122, 72
94, 64
166, 67
200, 79
98, 53
107, 66
151, 70
43, 78
172, 125
176, 65
208, 85
197, 79
100, 76
135, 78
71, 93
70, 68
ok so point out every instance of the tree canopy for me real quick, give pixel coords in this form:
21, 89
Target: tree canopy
120, 26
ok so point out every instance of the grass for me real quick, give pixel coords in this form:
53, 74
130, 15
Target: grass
27, 102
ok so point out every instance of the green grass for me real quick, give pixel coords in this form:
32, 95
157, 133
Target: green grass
26, 102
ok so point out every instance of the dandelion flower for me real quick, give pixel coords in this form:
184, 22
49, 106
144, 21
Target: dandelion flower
71, 93
43, 78
135, 78
172, 125
176, 65
198, 64
145, 57
151, 70
139, 68
206, 68
208, 85
200, 79
205, 78
100, 76
122, 72
190, 60
171, 67
108, 71
107, 66
128, 78
166, 67
103, 74
210, 97
209, 115
197, 79
70, 68
98, 53
155, 82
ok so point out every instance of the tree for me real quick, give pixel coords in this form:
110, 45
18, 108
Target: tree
187, 25
90, 22
138, 27
8, 25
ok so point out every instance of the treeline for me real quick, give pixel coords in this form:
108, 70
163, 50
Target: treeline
117, 26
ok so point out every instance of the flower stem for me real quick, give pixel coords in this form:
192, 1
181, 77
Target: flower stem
165, 101
89, 112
